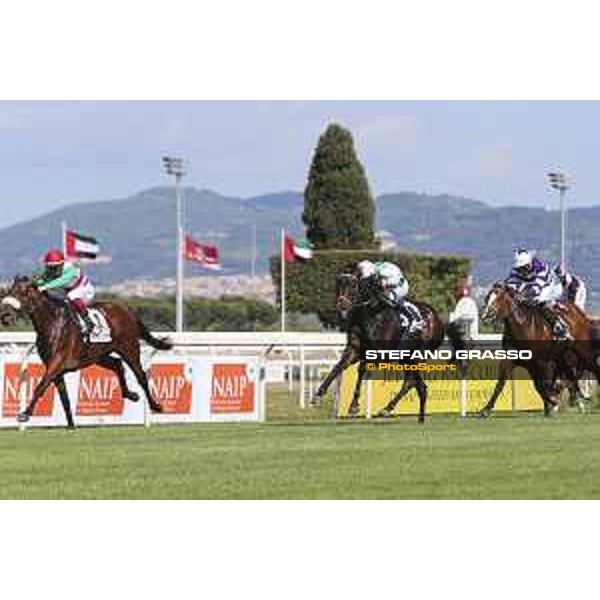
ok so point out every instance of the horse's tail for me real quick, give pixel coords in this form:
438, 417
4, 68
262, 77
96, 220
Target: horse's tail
158, 343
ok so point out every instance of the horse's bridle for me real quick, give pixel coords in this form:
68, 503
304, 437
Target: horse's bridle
354, 297
502, 286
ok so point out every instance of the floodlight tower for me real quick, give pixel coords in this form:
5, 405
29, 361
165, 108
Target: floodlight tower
559, 182
176, 168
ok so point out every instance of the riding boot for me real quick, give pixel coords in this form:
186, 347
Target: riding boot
88, 325
558, 327
414, 320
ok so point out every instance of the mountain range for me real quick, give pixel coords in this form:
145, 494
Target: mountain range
138, 232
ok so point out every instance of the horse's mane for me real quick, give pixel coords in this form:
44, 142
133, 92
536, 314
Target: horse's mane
527, 311
56, 303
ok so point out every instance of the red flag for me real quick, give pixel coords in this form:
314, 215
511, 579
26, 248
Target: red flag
289, 253
207, 256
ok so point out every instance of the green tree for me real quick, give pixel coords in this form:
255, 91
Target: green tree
339, 211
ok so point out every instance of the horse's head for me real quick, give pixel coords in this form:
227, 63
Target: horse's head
21, 297
346, 292
497, 303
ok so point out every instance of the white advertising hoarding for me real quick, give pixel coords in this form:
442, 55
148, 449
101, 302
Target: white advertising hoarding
188, 388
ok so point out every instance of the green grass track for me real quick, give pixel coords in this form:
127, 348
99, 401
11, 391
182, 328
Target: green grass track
522, 456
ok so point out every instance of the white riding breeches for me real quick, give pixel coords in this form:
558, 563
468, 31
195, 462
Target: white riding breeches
84, 292
551, 293
581, 296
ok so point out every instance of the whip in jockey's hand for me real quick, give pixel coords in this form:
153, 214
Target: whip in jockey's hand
60, 275
538, 282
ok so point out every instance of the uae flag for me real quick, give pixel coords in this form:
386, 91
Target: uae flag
79, 246
292, 250
206, 256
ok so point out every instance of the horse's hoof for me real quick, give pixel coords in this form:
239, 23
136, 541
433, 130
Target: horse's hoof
421, 420
316, 401
133, 396
156, 408
23, 417
483, 414
384, 414
353, 411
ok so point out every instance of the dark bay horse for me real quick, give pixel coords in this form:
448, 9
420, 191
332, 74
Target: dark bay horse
526, 328
371, 323
62, 349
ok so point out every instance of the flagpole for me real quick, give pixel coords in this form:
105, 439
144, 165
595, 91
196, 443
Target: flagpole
180, 274
282, 279
175, 166
63, 233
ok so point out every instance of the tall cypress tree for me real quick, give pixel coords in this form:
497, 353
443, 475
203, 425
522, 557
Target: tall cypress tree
339, 210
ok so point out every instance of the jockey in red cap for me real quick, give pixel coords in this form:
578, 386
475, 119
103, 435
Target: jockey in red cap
63, 275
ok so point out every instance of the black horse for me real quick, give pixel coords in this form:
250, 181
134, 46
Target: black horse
370, 323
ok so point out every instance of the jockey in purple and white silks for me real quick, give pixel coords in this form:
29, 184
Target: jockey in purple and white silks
540, 285
393, 287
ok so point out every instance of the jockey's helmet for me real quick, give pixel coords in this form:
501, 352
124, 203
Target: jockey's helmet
54, 258
365, 269
389, 274
523, 260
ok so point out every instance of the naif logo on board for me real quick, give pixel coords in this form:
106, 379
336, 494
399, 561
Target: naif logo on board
232, 389
99, 393
14, 388
171, 387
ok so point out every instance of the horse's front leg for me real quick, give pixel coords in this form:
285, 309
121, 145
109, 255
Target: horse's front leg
52, 372
422, 391
543, 380
407, 385
411, 380
544, 389
350, 355
506, 367
354, 408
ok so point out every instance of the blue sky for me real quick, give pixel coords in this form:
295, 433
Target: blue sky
55, 153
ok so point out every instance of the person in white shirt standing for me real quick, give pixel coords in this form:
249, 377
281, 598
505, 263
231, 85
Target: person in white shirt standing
465, 314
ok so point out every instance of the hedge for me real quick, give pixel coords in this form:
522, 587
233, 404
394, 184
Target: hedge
310, 286
228, 313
